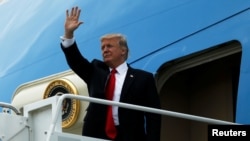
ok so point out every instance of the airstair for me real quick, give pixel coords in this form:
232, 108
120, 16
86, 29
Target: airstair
42, 121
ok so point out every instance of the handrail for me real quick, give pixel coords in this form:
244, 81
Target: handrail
7, 105
129, 106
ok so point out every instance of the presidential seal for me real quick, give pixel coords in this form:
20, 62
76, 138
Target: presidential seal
70, 107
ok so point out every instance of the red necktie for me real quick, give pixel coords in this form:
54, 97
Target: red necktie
110, 125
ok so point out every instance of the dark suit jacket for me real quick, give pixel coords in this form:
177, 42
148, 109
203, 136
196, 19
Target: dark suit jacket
138, 88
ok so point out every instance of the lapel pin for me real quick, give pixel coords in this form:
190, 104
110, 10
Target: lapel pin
131, 75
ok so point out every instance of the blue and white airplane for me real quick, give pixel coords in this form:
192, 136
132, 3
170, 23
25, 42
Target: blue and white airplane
199, 51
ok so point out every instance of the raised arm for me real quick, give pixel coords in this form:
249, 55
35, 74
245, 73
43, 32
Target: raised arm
72, 22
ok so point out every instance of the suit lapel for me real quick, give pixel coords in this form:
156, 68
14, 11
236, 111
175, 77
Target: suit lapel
130, 77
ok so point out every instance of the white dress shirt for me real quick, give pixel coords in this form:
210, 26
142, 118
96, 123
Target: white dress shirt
120, 77
67, 42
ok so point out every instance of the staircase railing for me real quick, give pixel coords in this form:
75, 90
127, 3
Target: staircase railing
130, 106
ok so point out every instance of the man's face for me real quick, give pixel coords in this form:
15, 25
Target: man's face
112, 53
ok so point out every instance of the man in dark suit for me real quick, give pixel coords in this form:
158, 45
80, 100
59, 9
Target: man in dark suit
132, 86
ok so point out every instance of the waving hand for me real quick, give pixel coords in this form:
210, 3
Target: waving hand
72, 22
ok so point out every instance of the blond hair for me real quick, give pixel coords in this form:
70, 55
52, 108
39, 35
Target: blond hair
121, 41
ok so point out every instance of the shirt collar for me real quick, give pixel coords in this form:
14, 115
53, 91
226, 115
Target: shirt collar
121, 68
